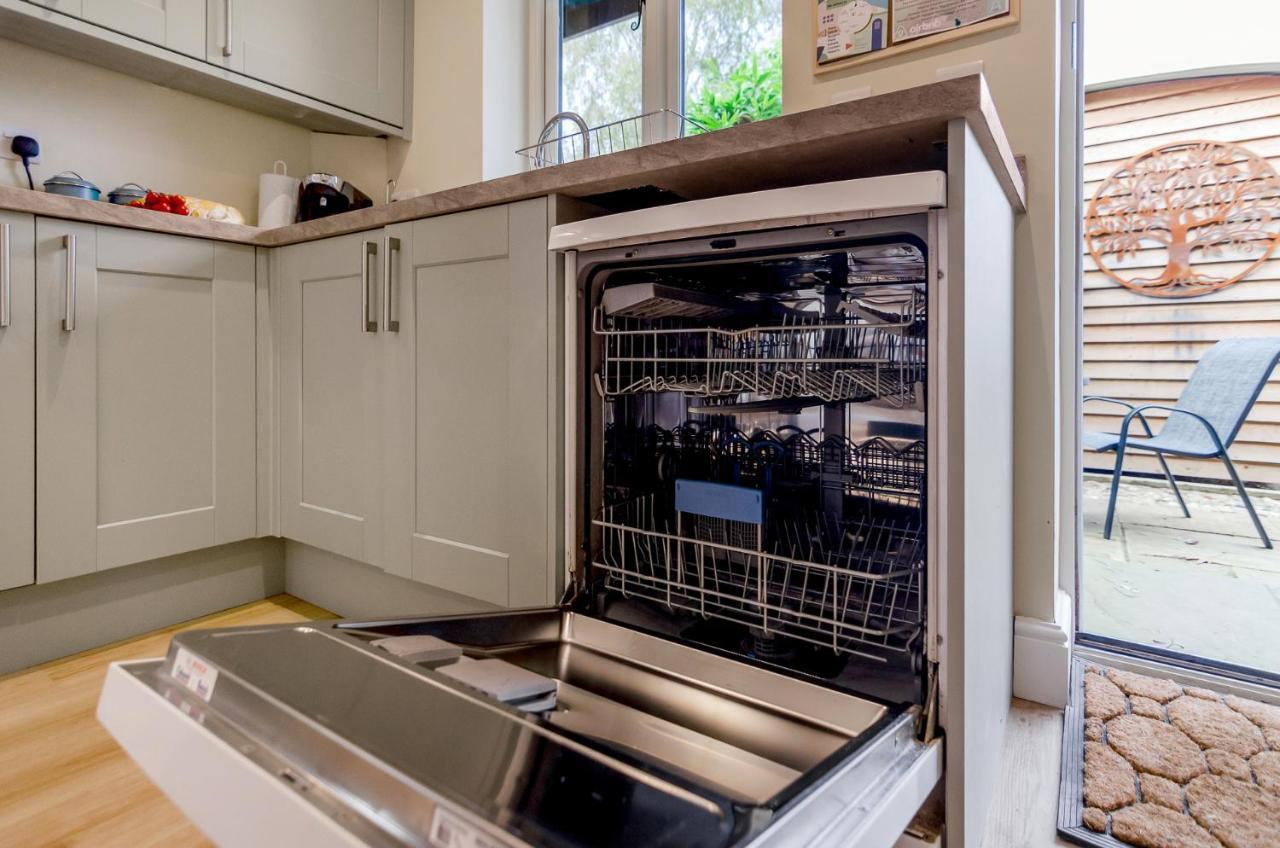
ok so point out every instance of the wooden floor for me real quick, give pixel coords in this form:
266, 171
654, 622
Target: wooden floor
63, 780
1024, 813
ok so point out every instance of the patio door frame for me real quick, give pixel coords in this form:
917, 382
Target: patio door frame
1071, 305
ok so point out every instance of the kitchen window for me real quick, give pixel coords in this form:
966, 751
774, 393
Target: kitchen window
719, 62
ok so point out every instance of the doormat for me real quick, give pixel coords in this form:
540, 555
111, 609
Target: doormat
1147, 762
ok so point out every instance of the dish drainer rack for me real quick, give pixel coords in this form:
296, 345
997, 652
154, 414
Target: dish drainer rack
853, 587
612, 137
876, 467
832, 358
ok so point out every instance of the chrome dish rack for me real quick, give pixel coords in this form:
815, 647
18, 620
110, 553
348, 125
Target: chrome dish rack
853, 587
556, 148
834, 359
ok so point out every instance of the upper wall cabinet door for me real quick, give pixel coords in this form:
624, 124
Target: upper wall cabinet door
473, 400
145, 370
17, 399
349, 53
330, 479
175, 24
75, 8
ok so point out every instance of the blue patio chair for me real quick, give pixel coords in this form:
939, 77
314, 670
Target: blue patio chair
1205, 421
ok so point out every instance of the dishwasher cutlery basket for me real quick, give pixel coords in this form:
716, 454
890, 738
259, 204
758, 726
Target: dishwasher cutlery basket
833, 358
853, 587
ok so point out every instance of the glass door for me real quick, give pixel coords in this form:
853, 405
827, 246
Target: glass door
1180, 331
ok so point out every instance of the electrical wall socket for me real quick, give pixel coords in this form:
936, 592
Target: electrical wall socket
7, 135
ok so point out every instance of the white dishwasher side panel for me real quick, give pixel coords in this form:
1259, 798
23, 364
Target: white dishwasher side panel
231, 799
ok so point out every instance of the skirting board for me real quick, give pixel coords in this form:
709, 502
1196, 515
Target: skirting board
1042, 656
353, 589
51, 620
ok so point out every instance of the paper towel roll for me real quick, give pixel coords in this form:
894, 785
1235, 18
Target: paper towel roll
277, 197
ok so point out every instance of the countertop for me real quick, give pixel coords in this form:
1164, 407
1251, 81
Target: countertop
890, 133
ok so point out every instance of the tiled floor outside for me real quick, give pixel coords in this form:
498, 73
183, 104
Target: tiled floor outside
1202, 585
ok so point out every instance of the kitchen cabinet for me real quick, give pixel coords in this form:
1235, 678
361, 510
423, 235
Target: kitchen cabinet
145, 374
340, 66
472, 393
330, 397
350, 53
17, 399
175, 24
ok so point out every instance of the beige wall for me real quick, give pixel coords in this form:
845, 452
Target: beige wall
114, 129
470, 94
1021, 64
446, 149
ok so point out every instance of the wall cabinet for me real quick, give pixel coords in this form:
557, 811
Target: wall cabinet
330, 65
145, 374
17, 399
350, 53
418, 402
174, 24
473, 389
330, 409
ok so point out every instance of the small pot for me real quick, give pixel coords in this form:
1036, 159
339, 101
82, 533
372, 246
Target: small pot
126, 194
71, 184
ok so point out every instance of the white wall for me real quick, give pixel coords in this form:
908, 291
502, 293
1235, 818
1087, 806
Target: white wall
1021, 65
1176, 36
114, 129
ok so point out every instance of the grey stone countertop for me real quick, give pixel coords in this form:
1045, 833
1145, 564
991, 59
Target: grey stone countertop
889, 133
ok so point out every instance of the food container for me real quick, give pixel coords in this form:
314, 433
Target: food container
71, 184
126, 194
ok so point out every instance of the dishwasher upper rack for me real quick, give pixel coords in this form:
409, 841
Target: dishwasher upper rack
833, 358
853, 587
876, 467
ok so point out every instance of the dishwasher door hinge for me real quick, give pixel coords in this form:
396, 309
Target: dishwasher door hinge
927, 728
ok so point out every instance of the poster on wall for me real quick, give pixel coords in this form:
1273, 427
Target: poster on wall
851, 28
918, 18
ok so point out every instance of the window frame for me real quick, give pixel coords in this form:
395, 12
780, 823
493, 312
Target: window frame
661, 54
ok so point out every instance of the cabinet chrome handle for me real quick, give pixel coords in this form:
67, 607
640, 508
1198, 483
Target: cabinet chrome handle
389, 323
367, 323
6, 278
226, 28
69, 308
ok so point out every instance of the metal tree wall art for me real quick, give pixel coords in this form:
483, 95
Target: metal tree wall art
1202, 207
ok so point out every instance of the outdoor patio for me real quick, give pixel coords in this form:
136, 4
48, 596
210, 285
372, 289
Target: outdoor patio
1202, 585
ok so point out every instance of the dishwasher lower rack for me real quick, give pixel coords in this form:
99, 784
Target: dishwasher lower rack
835, 359
854, 587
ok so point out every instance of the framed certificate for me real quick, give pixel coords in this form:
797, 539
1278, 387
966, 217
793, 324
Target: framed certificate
851, 32
921, 18
851, 28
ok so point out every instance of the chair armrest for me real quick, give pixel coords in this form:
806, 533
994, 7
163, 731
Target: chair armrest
1125, 426
1123, 403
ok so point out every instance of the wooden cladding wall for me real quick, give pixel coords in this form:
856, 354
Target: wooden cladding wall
1140, 348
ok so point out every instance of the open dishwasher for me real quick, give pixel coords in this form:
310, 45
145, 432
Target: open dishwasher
745, 653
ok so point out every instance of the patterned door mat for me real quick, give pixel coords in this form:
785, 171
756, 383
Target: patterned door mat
1149, 763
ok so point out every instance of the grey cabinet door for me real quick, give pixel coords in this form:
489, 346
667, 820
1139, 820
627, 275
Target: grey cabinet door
329, 409
17, 399
145, 404
474, 409
175, 24
349, 53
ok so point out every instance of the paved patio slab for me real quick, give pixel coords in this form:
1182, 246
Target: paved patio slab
1202, 585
